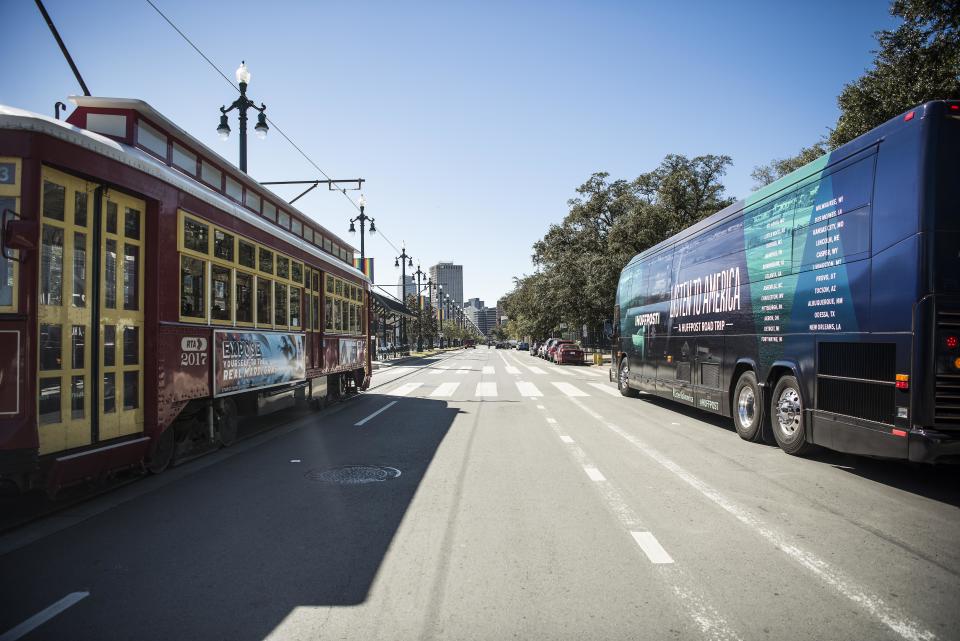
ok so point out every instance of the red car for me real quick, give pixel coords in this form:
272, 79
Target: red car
553, 349
569, 354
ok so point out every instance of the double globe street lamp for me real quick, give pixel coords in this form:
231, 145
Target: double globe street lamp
242, 104
362, 219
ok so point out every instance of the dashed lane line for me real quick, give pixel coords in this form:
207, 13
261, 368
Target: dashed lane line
651, 547
363, 422
594, 473
604, 387
21, 630
404, 389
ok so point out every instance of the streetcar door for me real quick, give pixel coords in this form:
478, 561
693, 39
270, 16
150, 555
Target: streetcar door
65, 314
122, 225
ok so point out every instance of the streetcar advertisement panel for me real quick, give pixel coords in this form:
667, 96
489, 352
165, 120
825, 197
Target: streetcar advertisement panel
250, 360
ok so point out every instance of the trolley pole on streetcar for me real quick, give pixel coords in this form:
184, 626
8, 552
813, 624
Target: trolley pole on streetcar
242, 104
418, 274
362, 219
401, 262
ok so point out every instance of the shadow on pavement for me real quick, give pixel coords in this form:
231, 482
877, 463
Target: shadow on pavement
229, 551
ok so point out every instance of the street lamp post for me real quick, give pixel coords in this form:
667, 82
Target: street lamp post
418, 274
440, 311
363, 218
401, 262
241, 104
430, 301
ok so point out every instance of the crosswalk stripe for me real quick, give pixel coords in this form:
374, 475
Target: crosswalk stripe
558, 369
568, 389
613, 391
404, 389
488, 369
593, 372
535, 369
461, 372
445, 389
513, 370
487, 389
437, 372
527, 388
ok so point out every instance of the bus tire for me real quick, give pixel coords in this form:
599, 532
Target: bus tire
161, 454
787, 417
748, 407
622, 377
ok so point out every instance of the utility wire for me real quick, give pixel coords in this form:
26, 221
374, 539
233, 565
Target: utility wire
270, 120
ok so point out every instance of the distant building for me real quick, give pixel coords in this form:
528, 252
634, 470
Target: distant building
488, 321
411, 287
473, 309
501, 312
450, 277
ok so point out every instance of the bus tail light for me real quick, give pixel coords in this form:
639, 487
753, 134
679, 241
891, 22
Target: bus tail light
951, 342
897, 432
908, 116
903, 381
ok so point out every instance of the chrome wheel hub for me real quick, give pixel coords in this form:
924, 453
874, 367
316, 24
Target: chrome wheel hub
746, 407
623, 375
789, 411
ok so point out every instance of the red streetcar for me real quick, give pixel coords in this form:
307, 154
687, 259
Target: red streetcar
151, 293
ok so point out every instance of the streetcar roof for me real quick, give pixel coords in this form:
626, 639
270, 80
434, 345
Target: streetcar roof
12, 118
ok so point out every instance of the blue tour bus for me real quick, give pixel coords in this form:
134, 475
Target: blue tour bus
824, 308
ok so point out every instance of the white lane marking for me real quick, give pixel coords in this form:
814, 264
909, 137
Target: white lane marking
552, 421
361, 423
438, 371
404, 389
488, 369
513, 370
651, 547
445, 389
462, 372
541, 407
592, 372
488, 388
569, 390
594, 473
566, 439
43, 616
613, 391
558, 369
535, 369
873, 603
528, 389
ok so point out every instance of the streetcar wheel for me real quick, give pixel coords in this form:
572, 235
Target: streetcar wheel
748, 407
161, 455
622, 385
789, 423
227, 423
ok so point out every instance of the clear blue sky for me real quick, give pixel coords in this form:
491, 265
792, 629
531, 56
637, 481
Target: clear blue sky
473, 122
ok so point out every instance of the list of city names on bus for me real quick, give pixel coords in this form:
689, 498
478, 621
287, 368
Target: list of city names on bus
773, 227
825, 232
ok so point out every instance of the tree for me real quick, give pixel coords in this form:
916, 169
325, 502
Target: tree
916, 62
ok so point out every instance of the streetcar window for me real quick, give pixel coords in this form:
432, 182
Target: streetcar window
280, 304
78, 336
7, 265
131, 277
247, 255
49, 400
219, 293
131, 345
338, 287
234, 189
109, 345
327, 245
211, 175
131, 223
266, 261
264, 301
109, 393
296, 227
51, 266
329, 284
191, 287
252, 201
110, 275
184, 159
328, 315
244, 298
269, 211
337, 318
353, 318
79, 269
283, 267
77, 397
284, 219
51, 345
131, 390
223, 245
316, 312
316, 281
294, 307
80, 203
345, 316
196, 236
151, 139
54, 200
111, 218
297, 270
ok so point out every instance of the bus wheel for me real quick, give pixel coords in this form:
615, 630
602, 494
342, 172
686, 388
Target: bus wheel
748, 407
161, 455
789, 424
622, 385
227, 423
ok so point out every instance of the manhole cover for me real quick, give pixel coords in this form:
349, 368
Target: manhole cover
354, 474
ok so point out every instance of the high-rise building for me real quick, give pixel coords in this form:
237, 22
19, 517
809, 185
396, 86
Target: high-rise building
450, 277
488, 320
411, 287
473, 310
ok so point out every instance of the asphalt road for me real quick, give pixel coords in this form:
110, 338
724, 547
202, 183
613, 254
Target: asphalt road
517, 499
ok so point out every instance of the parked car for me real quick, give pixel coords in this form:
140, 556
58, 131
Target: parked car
552, 352
521, 346
469, 343
533, 348
569, 354
546, 346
